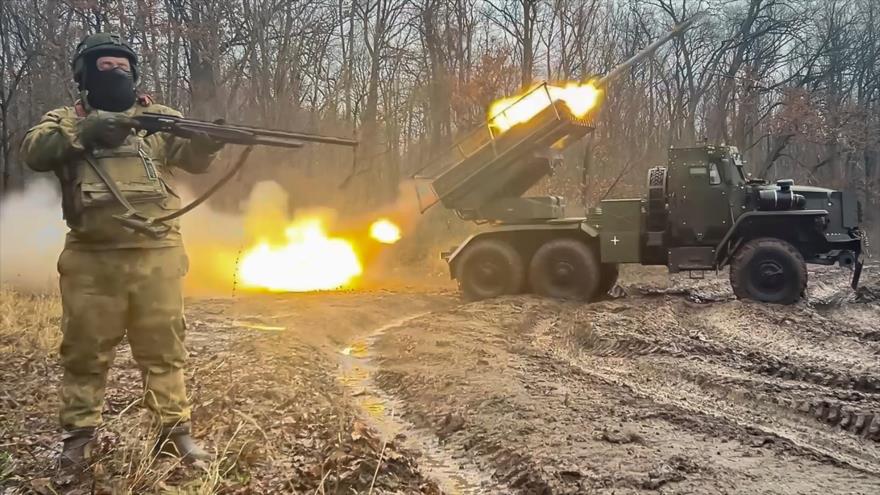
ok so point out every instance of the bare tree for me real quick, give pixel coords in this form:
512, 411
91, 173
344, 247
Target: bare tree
793, 83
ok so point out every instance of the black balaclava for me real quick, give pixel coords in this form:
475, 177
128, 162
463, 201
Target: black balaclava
111, 90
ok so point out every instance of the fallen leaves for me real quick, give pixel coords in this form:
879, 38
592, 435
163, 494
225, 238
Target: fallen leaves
270, 404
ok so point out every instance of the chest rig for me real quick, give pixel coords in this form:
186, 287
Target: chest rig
130, 167
121, 190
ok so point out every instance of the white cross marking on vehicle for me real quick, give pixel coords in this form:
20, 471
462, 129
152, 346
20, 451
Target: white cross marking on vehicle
615, 240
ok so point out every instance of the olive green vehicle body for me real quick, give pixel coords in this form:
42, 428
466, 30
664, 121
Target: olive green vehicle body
705, 208
710, 208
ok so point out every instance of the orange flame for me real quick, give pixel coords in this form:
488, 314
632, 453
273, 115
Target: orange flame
309, 261
385, 231
580, 98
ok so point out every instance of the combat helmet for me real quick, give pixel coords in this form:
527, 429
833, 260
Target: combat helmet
95, 45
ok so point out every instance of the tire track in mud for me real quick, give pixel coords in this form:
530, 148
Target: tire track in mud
780, 393
745, 409
635, 394
532, 418
382, 411
758, 362
849, 411
772, 367
840, 414
827, 408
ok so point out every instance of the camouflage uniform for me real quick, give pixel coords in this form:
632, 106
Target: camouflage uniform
115, 282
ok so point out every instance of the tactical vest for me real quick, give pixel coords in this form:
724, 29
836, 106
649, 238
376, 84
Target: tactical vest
138, 173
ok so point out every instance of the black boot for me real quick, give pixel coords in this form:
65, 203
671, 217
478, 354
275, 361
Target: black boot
77, 449
175, 441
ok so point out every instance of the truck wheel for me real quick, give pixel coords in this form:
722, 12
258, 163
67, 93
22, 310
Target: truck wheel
490, 268
768, 270
608, 273
565, 269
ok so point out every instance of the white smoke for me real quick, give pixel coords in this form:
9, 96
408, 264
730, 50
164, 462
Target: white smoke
31, 237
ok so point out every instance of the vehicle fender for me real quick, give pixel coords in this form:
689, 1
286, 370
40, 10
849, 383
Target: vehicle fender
721, 251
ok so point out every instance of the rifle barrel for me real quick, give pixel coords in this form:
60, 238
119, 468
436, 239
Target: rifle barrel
302, 136
281, 136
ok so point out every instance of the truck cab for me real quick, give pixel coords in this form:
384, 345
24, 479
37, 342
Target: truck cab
702, 212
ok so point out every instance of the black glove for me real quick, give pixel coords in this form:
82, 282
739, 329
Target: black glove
203, 144
103, 130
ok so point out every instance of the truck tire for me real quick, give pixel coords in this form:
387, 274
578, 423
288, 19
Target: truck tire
565, 269
608, 273
490, 268
768, 270
656, 218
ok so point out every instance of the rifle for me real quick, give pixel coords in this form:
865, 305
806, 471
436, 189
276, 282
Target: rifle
231, 134
152, 123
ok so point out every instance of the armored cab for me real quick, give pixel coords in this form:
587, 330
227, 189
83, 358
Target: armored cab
701, 212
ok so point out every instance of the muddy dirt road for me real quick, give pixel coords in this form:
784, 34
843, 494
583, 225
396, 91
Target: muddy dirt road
676, 388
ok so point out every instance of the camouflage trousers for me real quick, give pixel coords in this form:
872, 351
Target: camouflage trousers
107, 295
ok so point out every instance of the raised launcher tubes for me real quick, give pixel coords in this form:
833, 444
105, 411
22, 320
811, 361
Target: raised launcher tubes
484, 175
489, 166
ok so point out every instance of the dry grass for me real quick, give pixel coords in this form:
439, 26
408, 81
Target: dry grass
125, 463
123, 460
29, 323
269, 406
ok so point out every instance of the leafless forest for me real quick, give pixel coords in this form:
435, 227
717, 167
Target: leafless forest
793, 83
394, 384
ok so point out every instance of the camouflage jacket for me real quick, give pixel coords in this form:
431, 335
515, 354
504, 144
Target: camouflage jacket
141, 168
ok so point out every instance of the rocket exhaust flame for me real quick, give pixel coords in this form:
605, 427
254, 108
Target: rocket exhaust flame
580, 98
385, 231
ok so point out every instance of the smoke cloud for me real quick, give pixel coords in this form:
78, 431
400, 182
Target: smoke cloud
215, 242
31, 237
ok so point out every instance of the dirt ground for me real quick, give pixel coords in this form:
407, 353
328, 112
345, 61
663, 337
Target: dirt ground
677, 388
674, 388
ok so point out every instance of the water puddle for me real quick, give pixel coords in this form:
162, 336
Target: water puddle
258, 326
382, 412
254, 322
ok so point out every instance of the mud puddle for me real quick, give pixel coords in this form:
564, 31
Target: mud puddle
383, 413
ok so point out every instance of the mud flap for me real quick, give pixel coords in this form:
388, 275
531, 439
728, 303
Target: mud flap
857, 274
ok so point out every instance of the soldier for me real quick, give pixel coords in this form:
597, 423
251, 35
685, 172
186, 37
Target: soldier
115, 282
